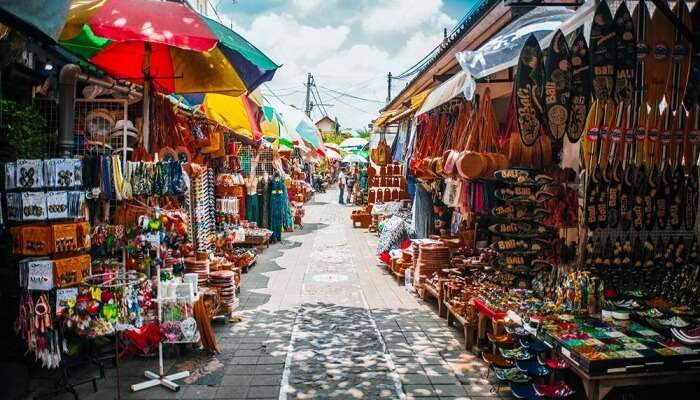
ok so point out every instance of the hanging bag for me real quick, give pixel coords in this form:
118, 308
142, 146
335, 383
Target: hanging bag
382, 153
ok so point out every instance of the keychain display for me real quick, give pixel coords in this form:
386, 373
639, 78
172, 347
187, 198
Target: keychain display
63, 173
33, 206
29, 174
36, 274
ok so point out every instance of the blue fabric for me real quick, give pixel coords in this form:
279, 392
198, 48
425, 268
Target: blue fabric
341, 199
252, 207
251, 74
422, 213
45, 17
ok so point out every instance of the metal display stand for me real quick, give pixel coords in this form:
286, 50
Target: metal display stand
160, 379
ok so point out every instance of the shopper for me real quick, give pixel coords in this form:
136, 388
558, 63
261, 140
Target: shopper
350, 186
341, 186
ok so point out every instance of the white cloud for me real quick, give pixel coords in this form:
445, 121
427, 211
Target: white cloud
306, 6
402, 15
353, 57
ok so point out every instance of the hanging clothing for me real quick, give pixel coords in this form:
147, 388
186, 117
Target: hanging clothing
277, 212
422, 212
264, 202
252, 209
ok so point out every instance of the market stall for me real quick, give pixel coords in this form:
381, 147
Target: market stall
555, 206
133, 231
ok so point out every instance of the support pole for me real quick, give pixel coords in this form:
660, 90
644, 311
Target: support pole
308, 105
146, 96
388, 84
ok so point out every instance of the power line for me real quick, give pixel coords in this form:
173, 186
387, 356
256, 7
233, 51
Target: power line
274, 94
344, 94
323, 106
357, 108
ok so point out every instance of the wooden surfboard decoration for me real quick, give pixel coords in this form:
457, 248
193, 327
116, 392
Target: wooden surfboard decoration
658, 66
680, 59
602, 49
692, 97
642, 21
580, 88
528, 93
557, 85
626, 55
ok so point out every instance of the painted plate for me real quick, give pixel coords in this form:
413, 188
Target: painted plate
557, 85
603, 48
528, 91
580, 88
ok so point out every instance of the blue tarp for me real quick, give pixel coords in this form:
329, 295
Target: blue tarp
46, 17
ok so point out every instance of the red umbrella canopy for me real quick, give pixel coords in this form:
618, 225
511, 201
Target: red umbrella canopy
169, 23
180, 50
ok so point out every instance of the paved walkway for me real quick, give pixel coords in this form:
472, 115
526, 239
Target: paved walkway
321, 320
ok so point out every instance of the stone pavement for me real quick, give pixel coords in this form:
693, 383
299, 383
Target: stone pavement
320, 320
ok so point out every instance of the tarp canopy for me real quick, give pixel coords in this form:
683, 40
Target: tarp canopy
447, 91
235, 113
384, 117
352, 143
503, 50
300, 124
40, 17
416, 103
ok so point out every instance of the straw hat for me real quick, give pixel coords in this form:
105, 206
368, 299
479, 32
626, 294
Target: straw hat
98, 124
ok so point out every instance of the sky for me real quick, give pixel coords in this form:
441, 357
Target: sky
348, 45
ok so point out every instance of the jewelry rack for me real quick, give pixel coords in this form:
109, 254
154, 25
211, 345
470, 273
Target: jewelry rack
160, 379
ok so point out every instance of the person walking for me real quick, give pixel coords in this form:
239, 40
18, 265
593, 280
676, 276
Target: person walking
350, 186
341, 186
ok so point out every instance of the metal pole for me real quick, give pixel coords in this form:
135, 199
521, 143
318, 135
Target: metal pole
388, 81
307, 107
146, 96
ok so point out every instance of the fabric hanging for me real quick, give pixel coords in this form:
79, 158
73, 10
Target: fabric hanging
422, 212
277, 212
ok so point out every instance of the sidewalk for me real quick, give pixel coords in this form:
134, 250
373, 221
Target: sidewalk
352, 331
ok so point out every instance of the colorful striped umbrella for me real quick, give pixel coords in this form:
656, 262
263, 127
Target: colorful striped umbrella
300, 124
167, 42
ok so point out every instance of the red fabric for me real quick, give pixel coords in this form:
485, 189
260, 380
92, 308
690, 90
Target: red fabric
125, 61
252, 118
484, 309
165, 22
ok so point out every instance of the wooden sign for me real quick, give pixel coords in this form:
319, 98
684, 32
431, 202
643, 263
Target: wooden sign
626, 55
642, 20
557, 85
603, 48
580, 88
661, 36
680, 59
528, 91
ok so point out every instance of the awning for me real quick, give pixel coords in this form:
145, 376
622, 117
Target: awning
416, 102
502, 51
447, 91
383, 118
35, 17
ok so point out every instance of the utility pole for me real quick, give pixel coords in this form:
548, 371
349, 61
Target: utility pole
388, 81
308, 105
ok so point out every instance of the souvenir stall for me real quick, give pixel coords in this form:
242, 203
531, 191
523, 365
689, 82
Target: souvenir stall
560, 214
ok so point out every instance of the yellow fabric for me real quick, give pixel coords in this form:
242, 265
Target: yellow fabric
205, 72
419, 99
229, 111
384, 117
78, 14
